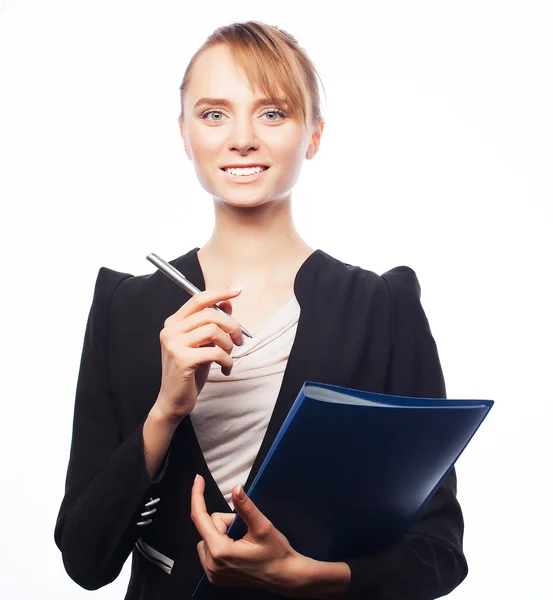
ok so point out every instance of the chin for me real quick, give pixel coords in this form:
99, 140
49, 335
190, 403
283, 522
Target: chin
242, 197
242, 201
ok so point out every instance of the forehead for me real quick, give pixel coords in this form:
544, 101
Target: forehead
216, 74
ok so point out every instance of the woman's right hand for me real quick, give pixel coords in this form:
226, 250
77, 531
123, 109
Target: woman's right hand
191, 339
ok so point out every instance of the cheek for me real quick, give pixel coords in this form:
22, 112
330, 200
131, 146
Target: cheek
204, 140
289, 148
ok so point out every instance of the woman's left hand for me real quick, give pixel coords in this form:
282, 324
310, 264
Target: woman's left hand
263, 558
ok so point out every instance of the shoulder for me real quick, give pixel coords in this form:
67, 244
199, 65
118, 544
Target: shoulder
119, 293
394, 296
409, 323
122, 288
405, 298
399, 284
349, 277
402, 281
404, 289
107, 281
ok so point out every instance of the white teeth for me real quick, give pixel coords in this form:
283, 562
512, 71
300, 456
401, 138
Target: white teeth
248, 171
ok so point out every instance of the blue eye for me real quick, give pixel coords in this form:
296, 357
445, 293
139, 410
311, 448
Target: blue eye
277, 111
204, 115
208, 112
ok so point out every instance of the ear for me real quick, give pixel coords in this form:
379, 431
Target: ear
315, 141
186, 147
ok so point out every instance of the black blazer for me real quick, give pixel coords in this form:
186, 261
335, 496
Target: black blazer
356, 329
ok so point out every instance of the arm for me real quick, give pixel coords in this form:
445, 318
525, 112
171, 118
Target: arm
320, 580
429, 561
157, 434
107, 476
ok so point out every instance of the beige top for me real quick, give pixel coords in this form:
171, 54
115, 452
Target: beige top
232, 413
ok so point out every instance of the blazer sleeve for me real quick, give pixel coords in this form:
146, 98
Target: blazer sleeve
107, 478
429, 562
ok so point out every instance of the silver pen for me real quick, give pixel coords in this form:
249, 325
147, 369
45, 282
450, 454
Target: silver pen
176, 276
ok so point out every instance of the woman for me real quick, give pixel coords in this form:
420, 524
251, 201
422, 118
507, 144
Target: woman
213, 402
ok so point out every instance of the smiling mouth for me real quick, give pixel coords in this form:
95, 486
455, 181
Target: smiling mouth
263, 168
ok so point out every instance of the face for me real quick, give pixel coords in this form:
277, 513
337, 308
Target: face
218, 135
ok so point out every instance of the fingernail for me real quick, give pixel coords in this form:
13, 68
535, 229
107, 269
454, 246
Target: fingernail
234, 289
241, 493
195, 479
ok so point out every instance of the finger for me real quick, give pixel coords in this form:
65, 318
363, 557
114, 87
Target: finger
258, 524
227, 326
226, 305
223, 521
202, 300
219, 523
208, 315
203, 522
198, 356
202, 553
209, 334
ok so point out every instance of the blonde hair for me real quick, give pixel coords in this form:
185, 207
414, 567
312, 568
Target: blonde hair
273, 62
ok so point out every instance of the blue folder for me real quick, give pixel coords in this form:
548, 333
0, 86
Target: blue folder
350, 470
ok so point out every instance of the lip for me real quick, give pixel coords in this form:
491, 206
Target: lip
245, 166
244, 178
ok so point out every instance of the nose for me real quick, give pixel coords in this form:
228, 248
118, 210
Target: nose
243, 136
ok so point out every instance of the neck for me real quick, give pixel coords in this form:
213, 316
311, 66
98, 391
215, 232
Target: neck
254, 246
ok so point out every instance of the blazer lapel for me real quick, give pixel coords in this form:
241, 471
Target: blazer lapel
302, 366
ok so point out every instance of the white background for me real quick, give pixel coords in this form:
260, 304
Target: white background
437, 154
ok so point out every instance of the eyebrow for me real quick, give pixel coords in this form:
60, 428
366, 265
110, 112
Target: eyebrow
225, 102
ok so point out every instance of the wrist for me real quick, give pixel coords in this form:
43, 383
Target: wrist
157, 434
162, 419
321, 580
